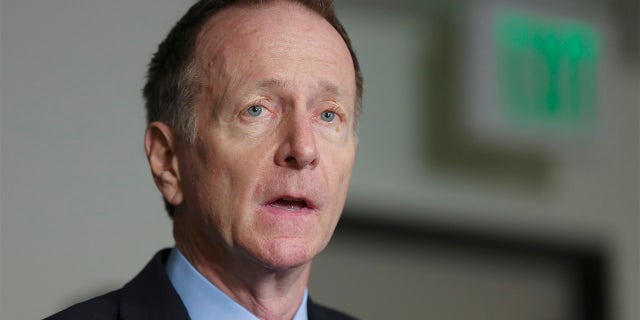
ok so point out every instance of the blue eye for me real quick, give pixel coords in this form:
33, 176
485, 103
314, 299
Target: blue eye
327, 116
254, 111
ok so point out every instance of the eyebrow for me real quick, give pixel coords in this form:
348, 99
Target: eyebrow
326, 87
329, 87
272, 83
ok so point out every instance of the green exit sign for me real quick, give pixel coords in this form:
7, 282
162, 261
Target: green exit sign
546, 71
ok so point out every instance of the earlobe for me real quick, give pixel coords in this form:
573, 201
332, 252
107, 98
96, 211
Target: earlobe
160, 147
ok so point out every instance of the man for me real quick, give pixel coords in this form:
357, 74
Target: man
252, 110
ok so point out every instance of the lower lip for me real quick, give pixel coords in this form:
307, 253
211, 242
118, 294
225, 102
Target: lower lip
287, 211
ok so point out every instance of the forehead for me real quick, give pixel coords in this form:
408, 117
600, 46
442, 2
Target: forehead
244, 36
256, 19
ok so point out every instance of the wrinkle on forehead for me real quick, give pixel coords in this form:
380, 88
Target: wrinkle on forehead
232, 26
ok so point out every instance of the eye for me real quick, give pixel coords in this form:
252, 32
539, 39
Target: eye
255, 111
327, 116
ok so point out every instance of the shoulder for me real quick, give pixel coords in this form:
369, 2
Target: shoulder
99, 308
149, 295
319, 312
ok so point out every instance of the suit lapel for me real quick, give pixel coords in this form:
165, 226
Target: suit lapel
315, 312
150, 294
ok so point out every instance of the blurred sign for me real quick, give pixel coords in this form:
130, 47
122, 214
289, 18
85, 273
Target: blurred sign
546, 71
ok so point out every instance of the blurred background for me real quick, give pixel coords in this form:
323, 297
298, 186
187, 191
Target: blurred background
497, 174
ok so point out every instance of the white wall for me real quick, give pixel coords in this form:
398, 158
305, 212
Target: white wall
79, 213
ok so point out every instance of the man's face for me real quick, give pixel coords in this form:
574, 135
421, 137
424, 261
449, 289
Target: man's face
269, 170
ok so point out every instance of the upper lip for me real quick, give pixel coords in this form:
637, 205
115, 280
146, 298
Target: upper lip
308, 202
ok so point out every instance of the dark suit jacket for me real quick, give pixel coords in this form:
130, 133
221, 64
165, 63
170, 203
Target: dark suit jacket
150, 295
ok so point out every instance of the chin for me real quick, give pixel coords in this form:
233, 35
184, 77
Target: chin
287, 253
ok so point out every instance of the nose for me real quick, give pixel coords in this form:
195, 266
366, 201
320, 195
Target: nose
298, 148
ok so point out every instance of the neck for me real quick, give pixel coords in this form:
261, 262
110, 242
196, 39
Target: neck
265, 292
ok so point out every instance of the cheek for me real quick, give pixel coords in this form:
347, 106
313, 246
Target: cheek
223, 198
210, 189
337, 175
209, 180
236, 171
340, 160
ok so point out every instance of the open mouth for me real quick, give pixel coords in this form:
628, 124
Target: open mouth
290, 204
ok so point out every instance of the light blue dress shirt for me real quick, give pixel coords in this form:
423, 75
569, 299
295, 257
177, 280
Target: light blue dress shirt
203, 300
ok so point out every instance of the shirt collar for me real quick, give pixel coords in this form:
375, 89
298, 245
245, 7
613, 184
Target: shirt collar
203, 299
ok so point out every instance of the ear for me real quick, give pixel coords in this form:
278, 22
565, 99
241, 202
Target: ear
160, 147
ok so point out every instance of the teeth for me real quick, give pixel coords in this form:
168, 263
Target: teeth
290, 203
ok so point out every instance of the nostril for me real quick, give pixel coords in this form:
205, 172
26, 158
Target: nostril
299, 163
